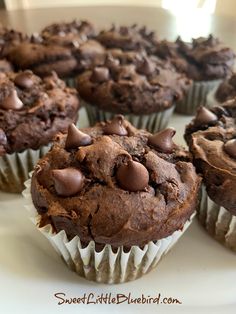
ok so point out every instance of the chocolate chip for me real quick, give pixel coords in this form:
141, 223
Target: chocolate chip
132, 176
24, 80
115, 126
12, 101
230, 148
162, 140
146, 67
100, 75
68, 181
76, 138
204, 116
3, 138
111, 62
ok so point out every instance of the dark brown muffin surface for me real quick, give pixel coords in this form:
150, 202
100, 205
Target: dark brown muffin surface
115, 185
202, 59
131, 82
33, 110
212, 141
128, 38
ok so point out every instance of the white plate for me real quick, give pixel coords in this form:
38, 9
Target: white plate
199, 272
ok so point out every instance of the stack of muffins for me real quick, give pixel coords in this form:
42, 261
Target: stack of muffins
114, 197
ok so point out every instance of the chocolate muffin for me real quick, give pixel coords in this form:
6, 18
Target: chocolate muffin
205, 60
211, 137
142, 88
32, 111
113, 186
78, 37
43, 59
128, 38
225, 91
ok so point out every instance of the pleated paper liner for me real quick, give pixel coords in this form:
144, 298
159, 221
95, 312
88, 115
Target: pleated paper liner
15, 168
196, 96
104, 266
217, 221
211, 100
152, 122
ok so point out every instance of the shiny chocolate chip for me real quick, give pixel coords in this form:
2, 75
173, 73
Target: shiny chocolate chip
230, 148
68, 181
12, 101
146, 67
76, 138
132, 176
115, 126
24, 80
204, 116
162, 141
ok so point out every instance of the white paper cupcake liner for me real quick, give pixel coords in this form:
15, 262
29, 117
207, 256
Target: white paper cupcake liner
218, 221
196, 96
211, 100
104, 266
15, 168
152, 122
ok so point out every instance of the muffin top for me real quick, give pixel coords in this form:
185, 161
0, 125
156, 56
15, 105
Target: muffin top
211, 137
128, 38
68, 33
202, 59
115, 184
9, 38
43, 59
131, 82
33, 110
227, 89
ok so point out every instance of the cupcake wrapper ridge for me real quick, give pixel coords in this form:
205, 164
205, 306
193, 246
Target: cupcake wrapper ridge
196, 97
152, 122
105, 266
15, 168
217, 221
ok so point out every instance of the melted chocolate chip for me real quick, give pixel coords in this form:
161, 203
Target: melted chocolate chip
24, 80
115, 126
162, 140
67, 182
132, 176
12, 101
100, 75
230, 148
3, 138
204, 116
76, 138
146, 67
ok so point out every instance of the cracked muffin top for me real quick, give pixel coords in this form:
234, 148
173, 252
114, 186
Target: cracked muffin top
33, 110
115, 184
203, 59
128, 38
211, 137
131, 82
